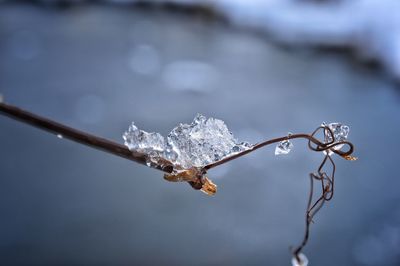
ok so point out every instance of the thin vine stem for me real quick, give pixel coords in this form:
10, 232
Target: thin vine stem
314, 144
320, 147
260, 145
120, 150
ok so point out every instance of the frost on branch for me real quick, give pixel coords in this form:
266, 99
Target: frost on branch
187, 146
192, 149
204, 141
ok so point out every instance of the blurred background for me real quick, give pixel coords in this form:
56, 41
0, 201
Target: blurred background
264, 67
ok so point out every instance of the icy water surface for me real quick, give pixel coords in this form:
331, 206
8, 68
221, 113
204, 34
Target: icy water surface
99, 68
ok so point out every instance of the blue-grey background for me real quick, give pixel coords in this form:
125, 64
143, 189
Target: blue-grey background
99, 67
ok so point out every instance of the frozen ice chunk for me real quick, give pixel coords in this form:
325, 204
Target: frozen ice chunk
241, 147
340, 133
283, 147
131, 137
140, 140
204, 141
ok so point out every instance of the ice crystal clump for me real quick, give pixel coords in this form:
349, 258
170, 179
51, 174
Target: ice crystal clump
204, 141
143, 141
340, 133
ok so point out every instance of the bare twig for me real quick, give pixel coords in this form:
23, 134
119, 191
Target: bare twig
196, 176
75, 135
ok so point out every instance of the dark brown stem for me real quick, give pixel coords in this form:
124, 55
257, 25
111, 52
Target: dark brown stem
117, 149
75, 135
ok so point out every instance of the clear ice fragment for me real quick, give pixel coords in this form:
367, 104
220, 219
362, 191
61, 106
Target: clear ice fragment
340, 133
199, 118
303, 260
283, 147
154, 141
140, 140
131, 137
241, 147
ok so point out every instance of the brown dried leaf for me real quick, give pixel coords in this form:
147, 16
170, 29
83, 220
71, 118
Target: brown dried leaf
350, 158
209, 187
184, 175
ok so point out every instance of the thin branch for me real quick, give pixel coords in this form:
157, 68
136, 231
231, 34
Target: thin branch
122, 151
320, 147
196, 176
75, 135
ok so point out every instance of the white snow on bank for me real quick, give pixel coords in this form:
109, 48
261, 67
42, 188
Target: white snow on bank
370, 27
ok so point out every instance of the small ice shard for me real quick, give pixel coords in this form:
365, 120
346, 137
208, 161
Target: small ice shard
241, 147
143, 141
303, 260
131, 137
340, 133
60, 136
199, 119
283, 147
